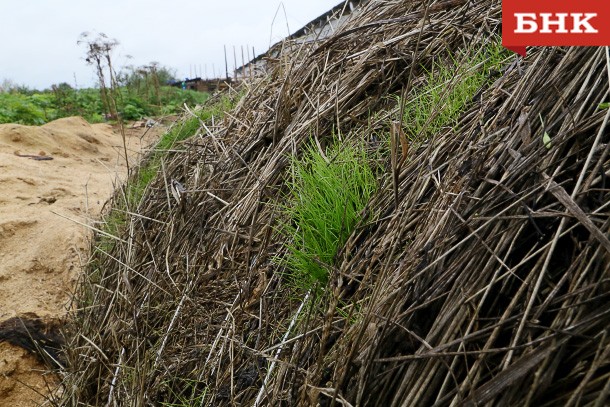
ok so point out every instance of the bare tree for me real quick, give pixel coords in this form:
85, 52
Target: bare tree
99, 54
98, 51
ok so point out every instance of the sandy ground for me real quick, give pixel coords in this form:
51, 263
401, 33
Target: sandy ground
42, 245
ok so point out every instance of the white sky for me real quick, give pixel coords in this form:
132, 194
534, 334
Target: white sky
38, 37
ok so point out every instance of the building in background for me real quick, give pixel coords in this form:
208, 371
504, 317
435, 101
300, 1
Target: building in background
316, 30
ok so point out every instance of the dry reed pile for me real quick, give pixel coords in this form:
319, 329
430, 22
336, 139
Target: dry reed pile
481, 277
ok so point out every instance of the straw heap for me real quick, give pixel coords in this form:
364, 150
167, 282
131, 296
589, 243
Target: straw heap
482, 278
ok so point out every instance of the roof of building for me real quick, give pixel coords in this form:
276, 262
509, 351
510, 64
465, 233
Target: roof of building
341, 10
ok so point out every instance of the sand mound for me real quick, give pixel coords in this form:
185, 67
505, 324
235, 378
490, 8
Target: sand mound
63, 170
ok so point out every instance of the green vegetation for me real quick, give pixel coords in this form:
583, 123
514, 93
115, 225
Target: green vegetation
130, 94
64, 101
327, 195
135, 189
26, 109
190, 394
448, 89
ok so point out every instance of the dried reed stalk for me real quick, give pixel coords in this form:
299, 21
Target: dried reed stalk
477, 281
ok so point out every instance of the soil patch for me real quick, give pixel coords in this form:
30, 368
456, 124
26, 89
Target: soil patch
54, 181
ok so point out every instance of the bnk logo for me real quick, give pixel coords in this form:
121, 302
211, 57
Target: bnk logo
555, 23
528, 23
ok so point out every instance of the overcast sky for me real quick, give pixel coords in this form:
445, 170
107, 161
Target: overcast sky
38, 37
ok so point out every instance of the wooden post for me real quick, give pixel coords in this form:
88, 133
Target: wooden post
249, 61
226, 64
234, 64
253, 56
243, 64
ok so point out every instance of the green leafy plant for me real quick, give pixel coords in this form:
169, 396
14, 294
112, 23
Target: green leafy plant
327, 193
26, 109
39, 107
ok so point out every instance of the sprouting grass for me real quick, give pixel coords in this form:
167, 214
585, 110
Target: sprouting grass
191, 395
147, 172
139, 181
447, 90
178, 133
211, 111
325, 201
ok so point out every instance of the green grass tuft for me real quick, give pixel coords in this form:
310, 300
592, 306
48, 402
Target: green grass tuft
191, 393
447, 91
324, 204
